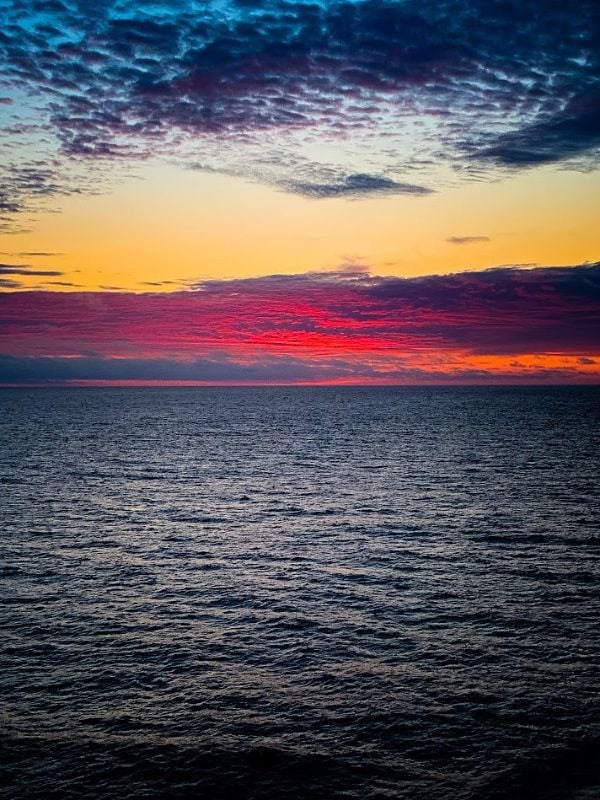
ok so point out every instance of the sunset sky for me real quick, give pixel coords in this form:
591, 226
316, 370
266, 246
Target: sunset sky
362, 191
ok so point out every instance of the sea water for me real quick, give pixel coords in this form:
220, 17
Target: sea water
300, 592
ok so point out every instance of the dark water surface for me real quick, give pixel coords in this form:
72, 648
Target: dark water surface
320, 593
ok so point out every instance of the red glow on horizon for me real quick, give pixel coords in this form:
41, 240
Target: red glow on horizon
500, 326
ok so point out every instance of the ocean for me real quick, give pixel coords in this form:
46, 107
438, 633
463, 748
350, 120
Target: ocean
320, 592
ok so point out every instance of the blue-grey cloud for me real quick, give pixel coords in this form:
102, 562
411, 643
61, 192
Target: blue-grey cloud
25, 371
573, 131
215, 369
491, 84
27, 186
354, 186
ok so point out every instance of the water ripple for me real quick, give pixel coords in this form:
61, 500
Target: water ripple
302, 593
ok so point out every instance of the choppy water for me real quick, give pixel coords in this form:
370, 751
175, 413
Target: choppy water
312, 593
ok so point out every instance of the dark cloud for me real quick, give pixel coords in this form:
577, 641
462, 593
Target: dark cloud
467, 239
275, 370
27, 187
25, 269
354, 186
23, 182
483, 85
37, 254
219, 368
162, 283
574, 131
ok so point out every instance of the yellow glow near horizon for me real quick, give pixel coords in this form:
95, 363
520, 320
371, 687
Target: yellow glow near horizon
178, 225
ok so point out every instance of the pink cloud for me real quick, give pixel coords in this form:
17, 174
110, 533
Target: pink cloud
337, 324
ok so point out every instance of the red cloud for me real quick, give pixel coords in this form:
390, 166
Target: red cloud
339, 326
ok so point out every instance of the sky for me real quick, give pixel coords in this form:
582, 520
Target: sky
290, 191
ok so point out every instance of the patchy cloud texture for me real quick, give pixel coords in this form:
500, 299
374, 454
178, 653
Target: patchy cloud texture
326, 99
499, 324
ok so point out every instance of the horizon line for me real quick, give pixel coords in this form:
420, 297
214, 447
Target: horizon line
157, 384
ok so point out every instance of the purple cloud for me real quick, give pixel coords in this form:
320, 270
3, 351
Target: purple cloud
348, 325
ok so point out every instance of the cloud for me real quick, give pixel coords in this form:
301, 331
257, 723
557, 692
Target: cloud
341, 325
163, 283
61, 283
21, 184
248, 88
28, 186
467, 239
354, 186
574, 131
34, 254
25, 269
213, 370
283, 370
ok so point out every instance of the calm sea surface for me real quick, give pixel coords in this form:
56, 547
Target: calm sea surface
303, 593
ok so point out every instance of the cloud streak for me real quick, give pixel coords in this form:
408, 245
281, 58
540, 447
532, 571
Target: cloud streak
325, 326
26, 269
353, 187
467, 239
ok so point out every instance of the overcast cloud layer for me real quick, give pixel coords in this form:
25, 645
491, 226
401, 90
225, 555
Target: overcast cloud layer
262, 89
